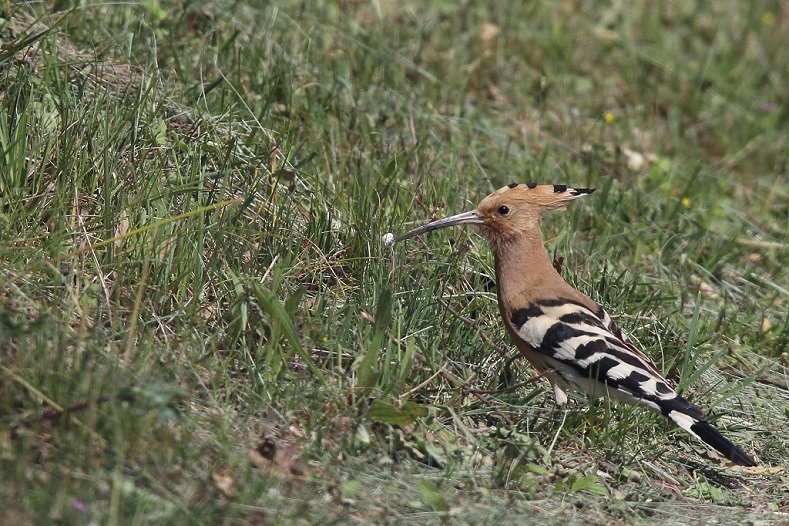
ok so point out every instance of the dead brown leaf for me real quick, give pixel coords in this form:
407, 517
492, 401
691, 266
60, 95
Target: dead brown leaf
224, 482
280, 461
488, 33
123, 227
758, 470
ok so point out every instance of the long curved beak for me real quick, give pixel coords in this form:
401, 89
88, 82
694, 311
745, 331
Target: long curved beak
470, 217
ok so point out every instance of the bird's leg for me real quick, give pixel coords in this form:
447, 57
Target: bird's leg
559, 394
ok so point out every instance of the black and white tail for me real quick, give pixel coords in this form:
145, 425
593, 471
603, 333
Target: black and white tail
707, 434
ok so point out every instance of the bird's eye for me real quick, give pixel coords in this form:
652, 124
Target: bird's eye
504, 210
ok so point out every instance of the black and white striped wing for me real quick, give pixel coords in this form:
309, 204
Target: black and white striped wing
589, 353
587, 349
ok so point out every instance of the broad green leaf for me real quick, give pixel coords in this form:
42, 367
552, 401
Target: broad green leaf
433, 496
275, 309
382, 412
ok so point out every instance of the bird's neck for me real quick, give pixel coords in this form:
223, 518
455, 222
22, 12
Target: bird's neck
522, 267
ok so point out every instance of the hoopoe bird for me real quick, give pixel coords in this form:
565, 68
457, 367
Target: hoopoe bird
562, 332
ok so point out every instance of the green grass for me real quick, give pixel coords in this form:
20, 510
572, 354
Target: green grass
199, 323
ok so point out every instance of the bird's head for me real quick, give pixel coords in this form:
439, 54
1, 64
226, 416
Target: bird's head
514, 209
